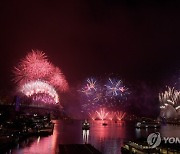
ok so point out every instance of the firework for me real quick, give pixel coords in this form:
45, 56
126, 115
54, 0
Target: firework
169, 103
170, 97
96, 94
33, 88
42, 97
99, 95
58, 80
93, 94
115, 88
35, 66
90, 87
102, 114
120, 115
91, 84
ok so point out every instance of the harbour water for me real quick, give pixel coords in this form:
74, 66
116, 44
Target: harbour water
107, 139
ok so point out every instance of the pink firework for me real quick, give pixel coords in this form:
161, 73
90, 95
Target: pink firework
33, 88
58, 80
102, 114
34, 66
42, 97
91, 84
120, 115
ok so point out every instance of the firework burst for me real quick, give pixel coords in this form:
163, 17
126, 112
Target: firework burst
38, 89
90, 87
34, 66
38, 79
170, 97
96, 94
115, 88
170, 103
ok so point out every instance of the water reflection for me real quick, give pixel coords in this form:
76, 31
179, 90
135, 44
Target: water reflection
108, 139
85, 136
39, 145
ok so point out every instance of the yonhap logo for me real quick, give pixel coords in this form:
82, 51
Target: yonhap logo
154, 140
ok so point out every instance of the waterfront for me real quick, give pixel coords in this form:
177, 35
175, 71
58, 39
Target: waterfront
108, 139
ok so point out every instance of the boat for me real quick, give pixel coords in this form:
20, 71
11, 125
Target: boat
86, 125
138, 147
104, 124
147, 124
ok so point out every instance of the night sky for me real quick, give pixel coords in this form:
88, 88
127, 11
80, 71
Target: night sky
137, 40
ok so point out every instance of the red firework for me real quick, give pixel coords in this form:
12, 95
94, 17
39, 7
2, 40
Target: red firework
102, 114
35, 66
58, 80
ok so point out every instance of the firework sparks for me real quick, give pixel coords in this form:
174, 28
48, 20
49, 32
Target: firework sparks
96, 95
90, 87
170, 97
120, 115
102, 114
91, 84
58, 80
115, 88
35, 66
32, 88
169, 103
42, 97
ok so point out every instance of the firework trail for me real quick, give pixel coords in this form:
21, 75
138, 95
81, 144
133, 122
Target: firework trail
113, 88
120, 115
91, 84
102, 114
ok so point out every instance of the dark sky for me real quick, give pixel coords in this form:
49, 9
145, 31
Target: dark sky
137, 40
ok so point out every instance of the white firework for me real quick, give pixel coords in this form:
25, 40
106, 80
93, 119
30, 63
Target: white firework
39, 87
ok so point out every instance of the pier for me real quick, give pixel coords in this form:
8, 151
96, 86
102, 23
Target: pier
77, 148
